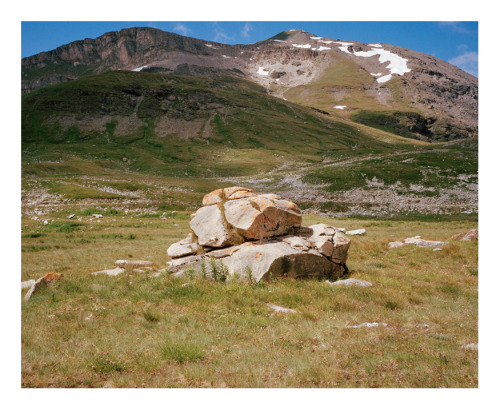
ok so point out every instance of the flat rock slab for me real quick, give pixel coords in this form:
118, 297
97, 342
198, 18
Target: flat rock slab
367, 324
131, 264
417, 240
281, 309
110, 272
356, 232
187, 246
350, 282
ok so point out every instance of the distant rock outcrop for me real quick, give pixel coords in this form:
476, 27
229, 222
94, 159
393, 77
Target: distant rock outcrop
255, 236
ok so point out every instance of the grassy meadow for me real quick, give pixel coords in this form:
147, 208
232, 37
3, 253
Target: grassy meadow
188, 332
129, 160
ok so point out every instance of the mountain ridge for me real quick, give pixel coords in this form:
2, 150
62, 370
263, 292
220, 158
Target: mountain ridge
389, 87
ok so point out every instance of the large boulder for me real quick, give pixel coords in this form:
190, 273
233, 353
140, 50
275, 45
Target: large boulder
242, 233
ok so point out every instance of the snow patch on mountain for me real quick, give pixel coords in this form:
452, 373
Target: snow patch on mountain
261, 71
302, 45
139, 68
397, 64
344, 46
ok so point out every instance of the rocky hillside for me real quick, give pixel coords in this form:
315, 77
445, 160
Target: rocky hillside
401, 91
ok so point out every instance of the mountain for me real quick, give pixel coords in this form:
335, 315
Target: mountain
147, 120
401, 91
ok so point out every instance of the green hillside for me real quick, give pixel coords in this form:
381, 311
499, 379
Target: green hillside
171, 124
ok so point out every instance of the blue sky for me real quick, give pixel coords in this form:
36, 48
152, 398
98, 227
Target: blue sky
455, 42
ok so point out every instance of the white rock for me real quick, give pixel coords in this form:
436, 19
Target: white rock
187, 246
281, 309
208, 225
396, 244
71, 216
357, 232
424, 243
297, 242
322, 244
110, 272
471, 346
367, 324
350, 282
323, 230
97, 216
27, 284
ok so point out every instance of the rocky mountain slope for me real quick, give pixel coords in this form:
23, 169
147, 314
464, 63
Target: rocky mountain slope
401, 91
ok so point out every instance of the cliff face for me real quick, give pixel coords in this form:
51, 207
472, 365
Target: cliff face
380, 85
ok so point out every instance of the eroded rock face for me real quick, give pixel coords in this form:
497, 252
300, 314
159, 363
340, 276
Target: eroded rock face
262, 216
258, 235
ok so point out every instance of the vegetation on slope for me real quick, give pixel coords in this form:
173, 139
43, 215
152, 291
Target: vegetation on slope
173, 125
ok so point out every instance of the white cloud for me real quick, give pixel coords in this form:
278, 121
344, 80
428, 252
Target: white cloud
454, 26
246, 30
182, 29
220, 34
467, 61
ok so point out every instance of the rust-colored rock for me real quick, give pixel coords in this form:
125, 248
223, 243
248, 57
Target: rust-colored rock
51, 276
44, 280
472, 236
226, 194
260, 216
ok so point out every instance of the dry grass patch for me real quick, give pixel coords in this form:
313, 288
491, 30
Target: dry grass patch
182, 332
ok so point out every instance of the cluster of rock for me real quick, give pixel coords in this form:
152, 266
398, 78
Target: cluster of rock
123, 265
471, 236
258, 235
416, 240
